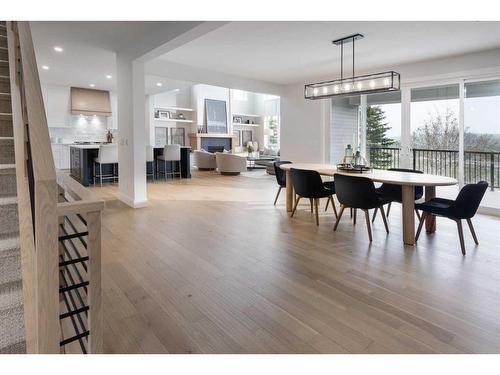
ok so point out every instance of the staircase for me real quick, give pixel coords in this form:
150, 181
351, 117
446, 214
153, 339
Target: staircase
12, 339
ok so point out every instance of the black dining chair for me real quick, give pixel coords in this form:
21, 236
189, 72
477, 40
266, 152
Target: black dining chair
308, 184
331, 186
395, 192
280, 177
359, 192
463, 207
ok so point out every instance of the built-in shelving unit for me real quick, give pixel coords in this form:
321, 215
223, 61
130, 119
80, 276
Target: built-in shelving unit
173, 120
240, 124
174, 112
177, 109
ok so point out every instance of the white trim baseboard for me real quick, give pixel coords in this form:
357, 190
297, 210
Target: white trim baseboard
130, 202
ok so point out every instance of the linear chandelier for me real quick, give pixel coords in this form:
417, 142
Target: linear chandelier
366, 84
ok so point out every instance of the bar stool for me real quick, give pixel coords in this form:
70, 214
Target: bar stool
107, 154
150, 159
171, 153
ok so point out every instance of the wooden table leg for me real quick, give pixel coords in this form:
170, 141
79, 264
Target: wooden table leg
430, 221
289, 192
408, 214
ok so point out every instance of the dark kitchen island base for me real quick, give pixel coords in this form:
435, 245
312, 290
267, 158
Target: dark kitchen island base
82, 160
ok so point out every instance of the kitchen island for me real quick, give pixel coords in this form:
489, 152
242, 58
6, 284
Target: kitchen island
82, 159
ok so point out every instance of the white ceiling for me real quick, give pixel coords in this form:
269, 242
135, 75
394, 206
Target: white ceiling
90, 48
289, 52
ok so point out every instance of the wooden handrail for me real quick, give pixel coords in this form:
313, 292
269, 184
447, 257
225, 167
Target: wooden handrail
41, 299
40, 211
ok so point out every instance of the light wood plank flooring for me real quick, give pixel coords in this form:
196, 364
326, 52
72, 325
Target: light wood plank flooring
211, 266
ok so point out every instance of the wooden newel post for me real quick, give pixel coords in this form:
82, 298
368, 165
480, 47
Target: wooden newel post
95, 325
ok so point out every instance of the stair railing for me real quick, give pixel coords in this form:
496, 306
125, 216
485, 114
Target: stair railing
46, 284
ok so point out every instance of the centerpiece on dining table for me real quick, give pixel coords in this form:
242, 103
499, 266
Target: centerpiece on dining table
353, 162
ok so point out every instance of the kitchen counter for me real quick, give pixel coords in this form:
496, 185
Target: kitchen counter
82, 162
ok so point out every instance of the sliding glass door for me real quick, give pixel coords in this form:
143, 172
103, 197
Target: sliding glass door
435, 130
450, 129
383, 130
482, 137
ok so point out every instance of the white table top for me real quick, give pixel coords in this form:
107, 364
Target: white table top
378, 175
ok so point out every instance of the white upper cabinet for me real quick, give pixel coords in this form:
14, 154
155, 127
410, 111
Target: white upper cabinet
58, 106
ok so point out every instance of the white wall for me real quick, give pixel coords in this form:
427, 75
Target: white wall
302, 127
163, 68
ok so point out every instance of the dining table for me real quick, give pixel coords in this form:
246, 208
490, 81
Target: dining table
407, 181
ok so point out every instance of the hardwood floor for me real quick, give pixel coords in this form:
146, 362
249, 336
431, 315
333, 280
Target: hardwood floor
211, 266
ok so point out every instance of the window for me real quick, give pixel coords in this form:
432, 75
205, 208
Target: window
434, 129
271, 132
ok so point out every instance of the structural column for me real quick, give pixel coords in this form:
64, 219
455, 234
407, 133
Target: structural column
131, 131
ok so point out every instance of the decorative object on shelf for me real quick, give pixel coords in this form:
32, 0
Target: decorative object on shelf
237, 120
109, 137
237, 138
247, 122
200, 129
354, 85
215, 116
162, 115
180, 116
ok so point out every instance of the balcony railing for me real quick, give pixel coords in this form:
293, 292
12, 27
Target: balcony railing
479, 165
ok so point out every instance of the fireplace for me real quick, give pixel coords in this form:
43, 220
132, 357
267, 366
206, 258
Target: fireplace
216, 144
211, 141
213, 149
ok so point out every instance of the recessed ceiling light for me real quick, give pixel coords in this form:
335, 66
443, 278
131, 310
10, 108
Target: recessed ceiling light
159, 84
92, 85
45, 67
109, 76
58, 49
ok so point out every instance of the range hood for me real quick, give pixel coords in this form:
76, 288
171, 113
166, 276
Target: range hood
90, 102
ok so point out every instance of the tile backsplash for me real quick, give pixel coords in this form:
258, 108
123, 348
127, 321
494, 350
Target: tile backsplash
82, 129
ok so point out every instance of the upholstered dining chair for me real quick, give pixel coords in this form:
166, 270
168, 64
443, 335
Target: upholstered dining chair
464, 207
395, 193
280, 177
308, 184
331, 186
358, 192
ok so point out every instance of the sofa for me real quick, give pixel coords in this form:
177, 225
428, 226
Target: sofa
204, 161
230, 164
269, 155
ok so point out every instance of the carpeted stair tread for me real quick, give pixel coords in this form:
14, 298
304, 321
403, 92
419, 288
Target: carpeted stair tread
12, 328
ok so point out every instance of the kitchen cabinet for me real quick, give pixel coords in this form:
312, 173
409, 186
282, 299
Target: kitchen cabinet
61, 156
